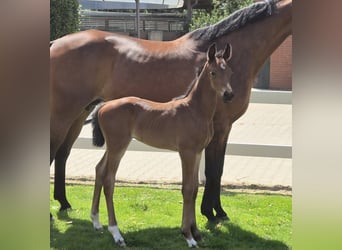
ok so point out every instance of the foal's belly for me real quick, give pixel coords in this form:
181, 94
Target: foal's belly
157, 139
174, 134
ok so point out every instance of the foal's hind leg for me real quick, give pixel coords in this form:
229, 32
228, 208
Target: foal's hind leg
61, 158
108, 185
115, 150
190, 165
100, 174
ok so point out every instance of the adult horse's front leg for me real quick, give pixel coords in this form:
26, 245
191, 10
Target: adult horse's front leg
61, 158
214, 162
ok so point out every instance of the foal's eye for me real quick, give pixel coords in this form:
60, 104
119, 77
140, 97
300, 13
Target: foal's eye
212, 73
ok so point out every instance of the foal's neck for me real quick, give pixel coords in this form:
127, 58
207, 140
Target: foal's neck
202, 97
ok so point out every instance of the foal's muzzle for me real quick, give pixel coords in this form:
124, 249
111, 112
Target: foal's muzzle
227, 96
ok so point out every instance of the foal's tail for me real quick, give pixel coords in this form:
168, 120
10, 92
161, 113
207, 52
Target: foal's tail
98, 139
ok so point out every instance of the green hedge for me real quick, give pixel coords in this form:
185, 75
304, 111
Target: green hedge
64, 17
221, 9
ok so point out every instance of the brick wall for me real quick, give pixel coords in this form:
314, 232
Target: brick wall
281, 67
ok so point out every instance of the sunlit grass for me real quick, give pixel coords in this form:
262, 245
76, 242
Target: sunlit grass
150, 218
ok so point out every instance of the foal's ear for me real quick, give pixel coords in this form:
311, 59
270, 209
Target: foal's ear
211, 52
227, 54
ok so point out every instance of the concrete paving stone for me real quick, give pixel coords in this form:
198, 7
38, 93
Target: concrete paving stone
165, 167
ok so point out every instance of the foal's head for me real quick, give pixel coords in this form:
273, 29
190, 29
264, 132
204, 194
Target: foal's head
219, 71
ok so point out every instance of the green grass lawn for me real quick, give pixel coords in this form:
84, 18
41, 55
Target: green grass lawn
150, 218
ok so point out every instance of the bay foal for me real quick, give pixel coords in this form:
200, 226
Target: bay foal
184, 125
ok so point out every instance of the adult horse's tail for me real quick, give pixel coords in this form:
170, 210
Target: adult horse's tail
98, 139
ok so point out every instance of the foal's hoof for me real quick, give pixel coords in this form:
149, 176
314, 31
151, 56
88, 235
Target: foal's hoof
98, 227
118, 239
192, 243
96, 222
121, 243
196, 234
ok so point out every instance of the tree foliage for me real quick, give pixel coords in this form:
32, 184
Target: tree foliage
64, 17
221, 9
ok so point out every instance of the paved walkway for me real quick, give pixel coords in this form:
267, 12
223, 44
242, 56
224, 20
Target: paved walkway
262, 124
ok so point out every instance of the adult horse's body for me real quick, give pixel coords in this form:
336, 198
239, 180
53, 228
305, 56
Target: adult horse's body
92, 65
184, 125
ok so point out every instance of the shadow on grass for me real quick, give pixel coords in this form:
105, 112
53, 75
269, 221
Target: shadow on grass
79, 234
234, 237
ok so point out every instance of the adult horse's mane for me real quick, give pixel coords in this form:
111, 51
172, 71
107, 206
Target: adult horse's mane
236, 20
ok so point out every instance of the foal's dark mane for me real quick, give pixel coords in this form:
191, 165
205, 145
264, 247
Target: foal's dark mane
236, 20
191, 85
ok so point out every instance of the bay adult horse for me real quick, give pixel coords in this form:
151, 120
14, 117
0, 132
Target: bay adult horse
182, 124
94, 65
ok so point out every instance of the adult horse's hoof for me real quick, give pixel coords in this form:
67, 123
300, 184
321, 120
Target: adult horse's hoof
213, 222
222, 217
210, 217
65, 206
208, 213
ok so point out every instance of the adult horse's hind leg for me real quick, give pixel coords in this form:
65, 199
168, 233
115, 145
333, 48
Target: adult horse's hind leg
61, 158
190, 164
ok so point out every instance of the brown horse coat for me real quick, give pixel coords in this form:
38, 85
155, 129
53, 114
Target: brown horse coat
184, 125
91, 65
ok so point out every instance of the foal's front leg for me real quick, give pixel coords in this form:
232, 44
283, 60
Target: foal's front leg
190, 165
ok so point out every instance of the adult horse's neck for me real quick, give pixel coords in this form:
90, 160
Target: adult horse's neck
254, 32
253, 44
202, 96
258, 40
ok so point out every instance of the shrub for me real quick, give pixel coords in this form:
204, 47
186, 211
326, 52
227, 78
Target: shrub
64, 17
220, 10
